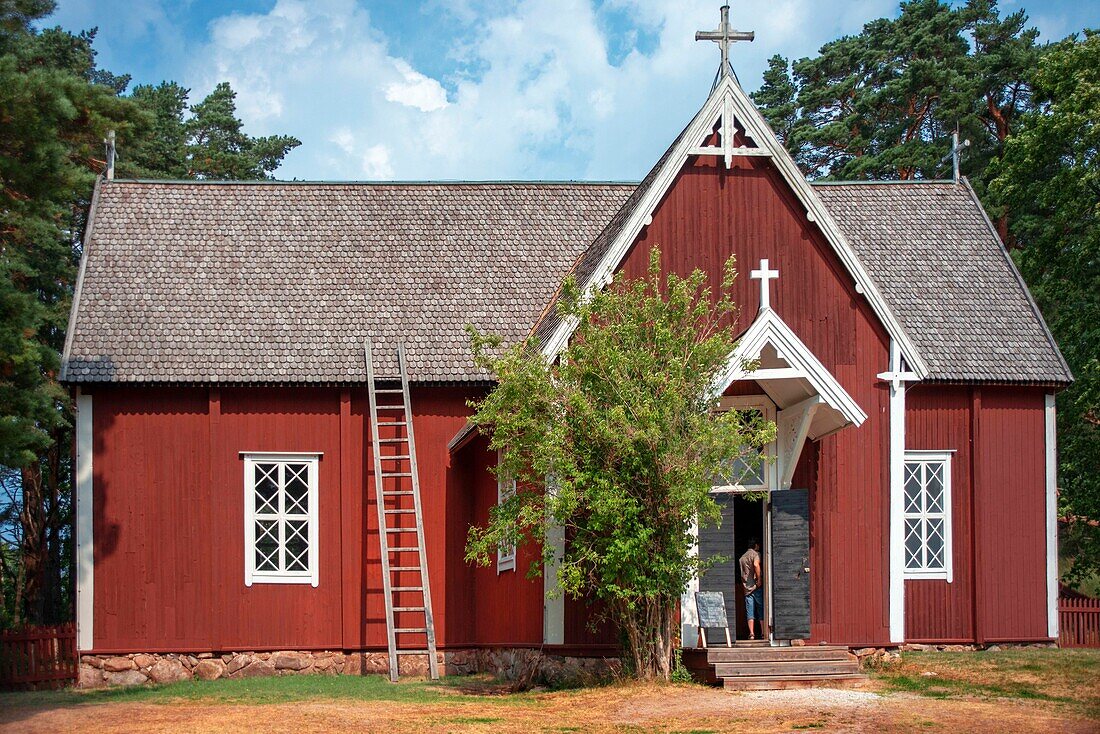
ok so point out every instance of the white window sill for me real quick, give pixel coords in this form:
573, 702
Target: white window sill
927, 576
281, 579
503, 566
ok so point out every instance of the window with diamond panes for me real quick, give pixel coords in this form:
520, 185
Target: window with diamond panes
506, 489
749, 471
281, 504
927, 513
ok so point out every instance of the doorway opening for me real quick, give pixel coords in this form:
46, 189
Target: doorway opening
749, 525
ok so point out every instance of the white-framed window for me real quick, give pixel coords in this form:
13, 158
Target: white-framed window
506, 489
927, 512
755, 470
280, 518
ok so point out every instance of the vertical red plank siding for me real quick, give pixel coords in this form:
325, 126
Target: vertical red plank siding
1010, 516
141, 509
749, 211
937, 418
487, 607
169, 516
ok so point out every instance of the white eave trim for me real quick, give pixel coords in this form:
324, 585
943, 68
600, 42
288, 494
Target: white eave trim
769, 328
78, 289
727, 96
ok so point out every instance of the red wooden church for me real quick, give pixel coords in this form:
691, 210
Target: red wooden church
228, 483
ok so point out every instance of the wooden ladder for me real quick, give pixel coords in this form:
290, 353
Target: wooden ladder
393, 496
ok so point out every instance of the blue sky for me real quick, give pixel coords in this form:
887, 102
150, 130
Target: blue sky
471, 89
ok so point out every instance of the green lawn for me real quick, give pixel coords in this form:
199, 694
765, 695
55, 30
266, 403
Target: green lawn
283, 689
1065, 677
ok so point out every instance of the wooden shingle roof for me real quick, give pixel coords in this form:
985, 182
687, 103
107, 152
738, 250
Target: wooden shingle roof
281, 282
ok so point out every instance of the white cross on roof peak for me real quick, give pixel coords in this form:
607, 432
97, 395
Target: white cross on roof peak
724, 35
765, 275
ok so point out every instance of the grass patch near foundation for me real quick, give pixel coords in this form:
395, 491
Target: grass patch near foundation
277, 689
1068, 678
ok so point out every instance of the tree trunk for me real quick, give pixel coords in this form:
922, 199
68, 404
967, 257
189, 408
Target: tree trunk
649, 635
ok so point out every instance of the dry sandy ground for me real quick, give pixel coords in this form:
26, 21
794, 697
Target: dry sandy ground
618, 708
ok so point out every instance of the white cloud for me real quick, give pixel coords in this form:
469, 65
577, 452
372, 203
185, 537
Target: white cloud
376, 162
532, 93
416, 90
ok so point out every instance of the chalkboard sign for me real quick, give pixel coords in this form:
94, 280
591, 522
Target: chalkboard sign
712, 609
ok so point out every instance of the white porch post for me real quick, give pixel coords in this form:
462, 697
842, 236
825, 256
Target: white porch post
553, 603
1052, 516
85, 568
689, 614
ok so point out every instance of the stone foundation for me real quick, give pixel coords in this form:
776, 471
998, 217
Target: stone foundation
521, 665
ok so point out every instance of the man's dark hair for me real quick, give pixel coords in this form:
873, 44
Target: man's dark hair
753, 541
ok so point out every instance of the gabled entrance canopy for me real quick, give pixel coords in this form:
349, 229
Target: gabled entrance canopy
810, 402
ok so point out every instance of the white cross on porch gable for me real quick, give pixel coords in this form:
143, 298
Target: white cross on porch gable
765, 275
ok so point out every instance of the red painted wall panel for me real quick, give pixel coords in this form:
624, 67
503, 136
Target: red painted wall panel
169, 503
487, 607
1010, 514
937, 418
710, 214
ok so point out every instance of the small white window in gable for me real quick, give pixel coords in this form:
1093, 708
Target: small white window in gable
752, 471
280, 519
506, 489
928, 515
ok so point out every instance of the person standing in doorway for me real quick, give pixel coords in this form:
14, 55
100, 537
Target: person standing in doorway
751, 578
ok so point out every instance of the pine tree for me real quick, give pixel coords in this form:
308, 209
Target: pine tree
1049, 178
52, 121
218, 149
882, 104
777, 100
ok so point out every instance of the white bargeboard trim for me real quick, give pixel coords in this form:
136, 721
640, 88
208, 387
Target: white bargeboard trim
1051, 514
85, 545
727, 97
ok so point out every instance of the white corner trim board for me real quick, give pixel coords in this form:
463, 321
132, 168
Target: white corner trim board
85, 547
1052, 515
897, 378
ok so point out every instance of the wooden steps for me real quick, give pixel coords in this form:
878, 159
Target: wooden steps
758, 666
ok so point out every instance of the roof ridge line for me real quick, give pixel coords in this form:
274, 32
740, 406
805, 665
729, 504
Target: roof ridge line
411, 182
888, 182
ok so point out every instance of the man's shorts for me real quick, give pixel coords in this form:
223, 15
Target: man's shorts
754, 604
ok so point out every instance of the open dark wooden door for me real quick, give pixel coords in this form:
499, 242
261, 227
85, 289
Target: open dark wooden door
718, 541
790, 549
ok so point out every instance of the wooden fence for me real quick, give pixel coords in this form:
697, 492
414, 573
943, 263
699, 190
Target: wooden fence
1078, 622
38, 657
